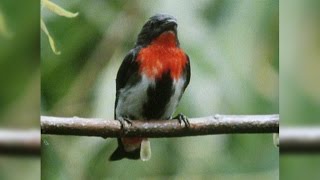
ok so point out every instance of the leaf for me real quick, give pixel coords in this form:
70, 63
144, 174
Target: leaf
58, 10
51, 41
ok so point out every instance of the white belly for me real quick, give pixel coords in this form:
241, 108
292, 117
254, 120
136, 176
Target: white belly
132, 99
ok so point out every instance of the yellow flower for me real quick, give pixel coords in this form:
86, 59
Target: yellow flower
59, 11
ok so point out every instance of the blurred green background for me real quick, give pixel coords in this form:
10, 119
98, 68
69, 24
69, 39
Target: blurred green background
234, 50
20, 81
299, 77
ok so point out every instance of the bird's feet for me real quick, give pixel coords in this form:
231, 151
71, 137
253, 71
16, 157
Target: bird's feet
182, 118
124, 122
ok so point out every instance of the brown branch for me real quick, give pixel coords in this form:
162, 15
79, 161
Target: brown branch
218, 124
19, 142
300, 140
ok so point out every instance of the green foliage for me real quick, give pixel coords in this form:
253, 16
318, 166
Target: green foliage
20, 81
299, 90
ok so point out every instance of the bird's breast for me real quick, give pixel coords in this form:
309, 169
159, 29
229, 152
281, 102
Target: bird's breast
157, 59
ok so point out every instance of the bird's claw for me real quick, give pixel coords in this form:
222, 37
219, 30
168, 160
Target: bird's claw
182, 118
124, 122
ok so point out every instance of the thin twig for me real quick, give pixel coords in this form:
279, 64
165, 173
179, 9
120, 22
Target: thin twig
300, 140
218, 124
19, 142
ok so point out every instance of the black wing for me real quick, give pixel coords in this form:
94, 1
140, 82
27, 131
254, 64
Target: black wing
127, 73
188, 73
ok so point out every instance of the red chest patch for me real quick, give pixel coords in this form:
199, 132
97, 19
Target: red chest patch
161, 56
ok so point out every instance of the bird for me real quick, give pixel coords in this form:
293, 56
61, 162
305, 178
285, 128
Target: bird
150, 83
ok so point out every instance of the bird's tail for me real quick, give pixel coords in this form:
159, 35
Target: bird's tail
120, 153
143, 152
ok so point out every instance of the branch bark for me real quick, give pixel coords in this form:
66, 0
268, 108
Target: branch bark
300, 140
19, 142
217, 124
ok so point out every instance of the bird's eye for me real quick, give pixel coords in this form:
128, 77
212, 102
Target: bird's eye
152, 25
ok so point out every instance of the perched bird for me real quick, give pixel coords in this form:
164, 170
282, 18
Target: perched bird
150, 82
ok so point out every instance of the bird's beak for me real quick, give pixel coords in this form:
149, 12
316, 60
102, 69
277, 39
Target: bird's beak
170, 24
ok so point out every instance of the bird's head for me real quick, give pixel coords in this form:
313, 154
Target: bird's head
156, 26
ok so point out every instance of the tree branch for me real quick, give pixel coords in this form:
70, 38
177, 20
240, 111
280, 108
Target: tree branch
292, 140
300, 140
19, 142
218, 124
